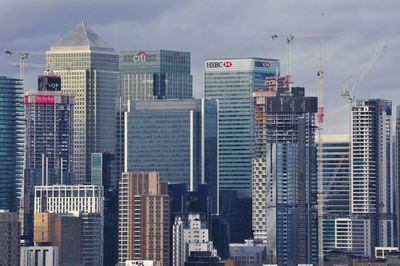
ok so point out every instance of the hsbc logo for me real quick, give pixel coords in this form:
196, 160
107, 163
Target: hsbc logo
139, 57
219, 64
264, 64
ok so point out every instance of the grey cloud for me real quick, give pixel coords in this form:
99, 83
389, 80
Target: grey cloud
231, 28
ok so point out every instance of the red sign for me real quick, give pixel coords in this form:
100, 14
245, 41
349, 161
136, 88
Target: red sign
227, 64
46, 99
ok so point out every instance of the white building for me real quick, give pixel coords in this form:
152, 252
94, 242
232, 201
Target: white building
39, 256
372, 184
85, 200
190, 233
139, 263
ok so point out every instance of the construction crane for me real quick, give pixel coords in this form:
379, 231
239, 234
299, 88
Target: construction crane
23, 56
289, 41
320, 174
347, 91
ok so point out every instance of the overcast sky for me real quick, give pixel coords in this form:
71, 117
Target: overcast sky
229, 28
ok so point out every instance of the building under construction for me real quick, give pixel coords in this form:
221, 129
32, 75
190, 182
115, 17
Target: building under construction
49, 128
285, 175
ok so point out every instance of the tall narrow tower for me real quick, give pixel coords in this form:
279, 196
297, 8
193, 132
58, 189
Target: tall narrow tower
285, 176
88, 68
372, 186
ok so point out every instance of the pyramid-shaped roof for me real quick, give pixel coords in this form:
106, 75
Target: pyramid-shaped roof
82, 36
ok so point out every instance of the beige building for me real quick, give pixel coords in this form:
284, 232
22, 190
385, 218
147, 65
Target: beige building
61, 231
143, 232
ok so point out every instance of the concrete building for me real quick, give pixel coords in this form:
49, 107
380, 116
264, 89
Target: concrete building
248, 254
48, 140
143, 218
232, 81
12, 147
285, 175
9, 238
372, 184
88, 67
181, 134
190, 233
39, 256
85, 201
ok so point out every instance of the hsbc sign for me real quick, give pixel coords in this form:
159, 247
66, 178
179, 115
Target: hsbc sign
219, 64
263, 64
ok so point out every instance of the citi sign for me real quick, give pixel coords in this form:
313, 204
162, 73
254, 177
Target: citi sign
139, 57
219, 64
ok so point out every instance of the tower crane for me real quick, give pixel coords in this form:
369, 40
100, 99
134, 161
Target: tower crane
23, 56
347, 91
289, 41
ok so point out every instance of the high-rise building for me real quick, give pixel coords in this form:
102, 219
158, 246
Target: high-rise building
177, 138
285, 176
88, 67
396, 173
85, 200
190, 233
48, 141
12, 143
9, 238
337, 225
158, 74
372, 184
143, 218
232, 82
198, 258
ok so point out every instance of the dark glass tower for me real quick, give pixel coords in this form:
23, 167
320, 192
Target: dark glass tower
12, 142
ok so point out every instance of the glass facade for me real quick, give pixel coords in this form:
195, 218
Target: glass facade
12, 142
159, 74
232, 82
177, 138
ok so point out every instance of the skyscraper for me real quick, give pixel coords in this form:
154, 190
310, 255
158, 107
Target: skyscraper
143, 218
232, 82
285, 177
372, 185
87, 202
48, 140
158, 74
177, 138
337, 225
12, 143
88, 67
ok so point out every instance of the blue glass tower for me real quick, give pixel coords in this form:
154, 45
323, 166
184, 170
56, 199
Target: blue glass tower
232, 82
12, 142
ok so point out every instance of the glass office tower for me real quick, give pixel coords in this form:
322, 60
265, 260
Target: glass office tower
337, 225
232, 82
177, 138
158, 74
12, 142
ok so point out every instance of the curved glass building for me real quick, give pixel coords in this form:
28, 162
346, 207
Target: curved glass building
12, 142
